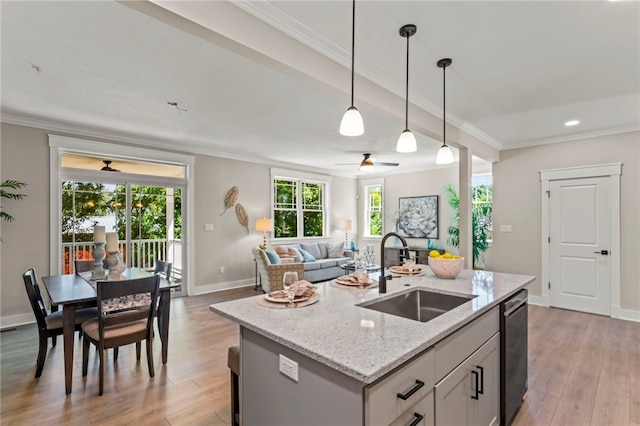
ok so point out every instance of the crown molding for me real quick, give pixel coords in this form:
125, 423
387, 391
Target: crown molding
574, 136
289, 25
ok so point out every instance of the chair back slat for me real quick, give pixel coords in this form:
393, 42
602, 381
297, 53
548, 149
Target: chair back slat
125, 301
83, 265
163, 268
35, 297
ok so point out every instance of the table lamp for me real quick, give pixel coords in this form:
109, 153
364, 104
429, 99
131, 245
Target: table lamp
348, 224
263, 225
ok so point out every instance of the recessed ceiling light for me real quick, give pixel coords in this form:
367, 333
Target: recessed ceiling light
572, 123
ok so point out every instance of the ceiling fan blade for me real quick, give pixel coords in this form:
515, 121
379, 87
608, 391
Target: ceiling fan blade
347, 164
382, 163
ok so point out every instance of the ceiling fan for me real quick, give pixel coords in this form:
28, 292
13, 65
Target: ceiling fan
107, 167
368, 163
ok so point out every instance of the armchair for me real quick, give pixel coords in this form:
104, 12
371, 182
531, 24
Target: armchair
270, 274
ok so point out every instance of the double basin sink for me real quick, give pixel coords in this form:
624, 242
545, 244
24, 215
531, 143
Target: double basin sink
418, 305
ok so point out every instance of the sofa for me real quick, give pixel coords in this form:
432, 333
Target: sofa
320, 260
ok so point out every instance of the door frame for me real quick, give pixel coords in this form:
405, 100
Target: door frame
611, 171
61, 144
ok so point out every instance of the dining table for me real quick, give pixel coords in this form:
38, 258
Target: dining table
75, 291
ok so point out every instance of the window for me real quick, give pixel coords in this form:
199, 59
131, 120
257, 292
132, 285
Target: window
299, 208
482, 201
373, 210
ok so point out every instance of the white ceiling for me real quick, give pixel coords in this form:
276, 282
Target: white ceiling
268, 81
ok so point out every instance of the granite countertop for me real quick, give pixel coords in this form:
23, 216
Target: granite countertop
363, 343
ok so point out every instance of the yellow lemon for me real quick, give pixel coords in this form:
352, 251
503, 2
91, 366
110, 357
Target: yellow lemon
434, 253
447, 256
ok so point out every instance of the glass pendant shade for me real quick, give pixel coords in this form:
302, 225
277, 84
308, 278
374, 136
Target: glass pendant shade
351, 124
406, 142
445, 155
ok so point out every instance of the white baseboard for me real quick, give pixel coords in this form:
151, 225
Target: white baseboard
538, 300
12, 321
629, 315
211, 288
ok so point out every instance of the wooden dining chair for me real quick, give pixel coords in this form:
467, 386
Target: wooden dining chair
163, 268
83, 265
125, 315
49, 324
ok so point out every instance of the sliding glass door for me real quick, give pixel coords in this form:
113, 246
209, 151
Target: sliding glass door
147, 219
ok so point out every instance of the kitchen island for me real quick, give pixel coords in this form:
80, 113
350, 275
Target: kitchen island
323, 363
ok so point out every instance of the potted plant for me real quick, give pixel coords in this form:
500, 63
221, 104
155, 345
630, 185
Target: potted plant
481, 226
4, 193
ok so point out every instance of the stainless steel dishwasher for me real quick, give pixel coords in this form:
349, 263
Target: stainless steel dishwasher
513, 355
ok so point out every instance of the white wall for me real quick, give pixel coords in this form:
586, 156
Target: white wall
516, 202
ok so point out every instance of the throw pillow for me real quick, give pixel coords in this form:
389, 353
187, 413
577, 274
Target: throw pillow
335, 250
273, 257
296, 254
313, 250
306, 256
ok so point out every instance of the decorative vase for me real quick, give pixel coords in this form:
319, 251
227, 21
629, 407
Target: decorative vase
98, 272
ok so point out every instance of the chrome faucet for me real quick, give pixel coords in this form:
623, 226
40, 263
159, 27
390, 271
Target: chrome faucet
382, 281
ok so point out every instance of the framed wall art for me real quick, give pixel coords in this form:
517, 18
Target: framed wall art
418, 217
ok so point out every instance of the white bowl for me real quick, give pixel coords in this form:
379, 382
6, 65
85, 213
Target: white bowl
446, 268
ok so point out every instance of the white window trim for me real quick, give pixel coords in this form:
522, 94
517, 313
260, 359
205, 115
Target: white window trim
327, 180
59, 145
364, 183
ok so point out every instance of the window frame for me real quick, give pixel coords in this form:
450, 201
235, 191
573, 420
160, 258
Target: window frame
364, 191
480, 180
302, 178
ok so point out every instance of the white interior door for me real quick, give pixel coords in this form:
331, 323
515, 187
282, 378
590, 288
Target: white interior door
580, 265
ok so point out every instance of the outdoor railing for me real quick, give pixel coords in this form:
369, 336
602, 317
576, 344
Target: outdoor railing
143, 254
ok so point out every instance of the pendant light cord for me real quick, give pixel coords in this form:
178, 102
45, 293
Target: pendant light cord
406, 97
444, 106
353, 46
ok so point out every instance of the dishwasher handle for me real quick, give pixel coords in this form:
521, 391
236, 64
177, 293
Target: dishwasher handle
514, 303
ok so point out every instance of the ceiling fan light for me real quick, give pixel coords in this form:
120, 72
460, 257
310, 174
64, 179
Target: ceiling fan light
407, 142
445, 155
366, 165
351, 124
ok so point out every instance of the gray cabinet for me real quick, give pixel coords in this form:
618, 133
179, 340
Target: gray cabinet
470, 394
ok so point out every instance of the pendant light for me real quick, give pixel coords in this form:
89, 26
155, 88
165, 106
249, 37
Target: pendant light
445, 155
351, 124
406, 141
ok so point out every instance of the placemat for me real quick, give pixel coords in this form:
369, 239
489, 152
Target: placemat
264, 302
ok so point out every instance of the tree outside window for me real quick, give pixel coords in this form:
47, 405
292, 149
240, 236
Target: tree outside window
298, 208
373, 211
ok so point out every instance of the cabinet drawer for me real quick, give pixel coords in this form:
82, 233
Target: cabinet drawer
451, 351
424, 408
383, 405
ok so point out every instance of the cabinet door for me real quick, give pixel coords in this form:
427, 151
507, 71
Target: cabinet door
469, 395
486, 360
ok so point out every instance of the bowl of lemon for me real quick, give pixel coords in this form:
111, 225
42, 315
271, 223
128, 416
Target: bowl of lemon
446, 265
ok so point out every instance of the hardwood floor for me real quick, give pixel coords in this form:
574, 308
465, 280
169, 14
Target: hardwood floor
583, 369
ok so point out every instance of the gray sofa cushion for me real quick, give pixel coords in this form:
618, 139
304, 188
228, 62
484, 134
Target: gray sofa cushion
324, 251
327, 263
310, 266
313, 250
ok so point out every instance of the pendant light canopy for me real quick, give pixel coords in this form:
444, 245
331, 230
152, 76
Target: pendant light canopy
351, 124
445, 155
406, 141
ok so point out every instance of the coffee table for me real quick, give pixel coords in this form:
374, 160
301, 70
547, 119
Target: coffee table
351, 267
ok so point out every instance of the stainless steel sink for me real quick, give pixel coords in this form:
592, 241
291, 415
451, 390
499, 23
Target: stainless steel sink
418, 305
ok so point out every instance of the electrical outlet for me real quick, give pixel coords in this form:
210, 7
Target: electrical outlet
208, 226
289, 368
222, 269
505, 228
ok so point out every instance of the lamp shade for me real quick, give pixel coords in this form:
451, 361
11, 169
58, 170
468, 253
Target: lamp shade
348, 224
351, 124
445, 155
263, 224
406, 142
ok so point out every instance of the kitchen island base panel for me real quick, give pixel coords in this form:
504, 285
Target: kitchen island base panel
268, 397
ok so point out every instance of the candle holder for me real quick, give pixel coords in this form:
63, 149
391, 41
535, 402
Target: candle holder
112, 262
98, 272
